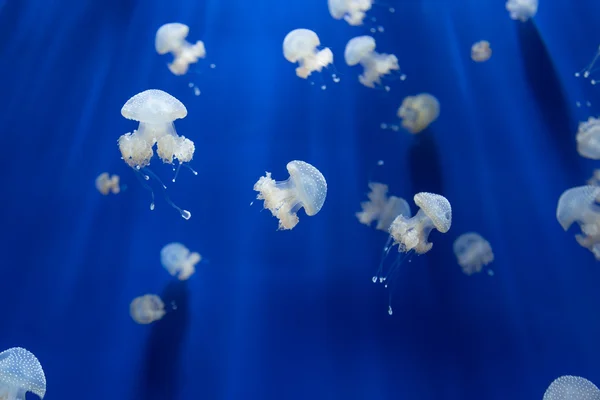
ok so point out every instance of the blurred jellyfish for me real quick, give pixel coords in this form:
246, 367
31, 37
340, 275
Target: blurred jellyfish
570, 387
179, 261
381, 208
352, 11
595, 179
472, 252
522, 10
588, 139
417, 112
147, 309
301, 46
580, 204
170, 38
586, 72
361, 50
20, 372
481, 51
305, 188
108, 184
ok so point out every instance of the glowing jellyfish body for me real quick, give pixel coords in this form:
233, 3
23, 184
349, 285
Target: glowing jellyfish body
305, 188
418, 112
147, 309
352, 11
472, 252
361, 50
481, 51
522, 10
179, 261
170, 38
108, 184
588, 139
20, 372
570, 387
381, 208
580, 205
301, 46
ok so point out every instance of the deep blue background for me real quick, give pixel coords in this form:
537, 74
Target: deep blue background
294, 315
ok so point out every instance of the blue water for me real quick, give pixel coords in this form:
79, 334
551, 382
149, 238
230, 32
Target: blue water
293, 314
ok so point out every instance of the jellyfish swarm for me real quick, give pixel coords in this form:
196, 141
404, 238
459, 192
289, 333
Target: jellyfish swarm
170, 38
147, 309
381, 208
155, 111
522, 10
588, 139
305, 188
580, 204
179, 261
20, 372
570, 387
586, 72
481, 51
361, 50
300, 46
352, 11
472, 252
417, 112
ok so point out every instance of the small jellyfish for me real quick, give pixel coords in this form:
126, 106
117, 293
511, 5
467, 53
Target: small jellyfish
472, 252
361, 50
580, 204
352, 11
20, 372
108, 184
301, 46
481, 51
417, 112
570, 387
588, 138
381, 208
522, 10
170, 38
179, 261
147, 309
305, 188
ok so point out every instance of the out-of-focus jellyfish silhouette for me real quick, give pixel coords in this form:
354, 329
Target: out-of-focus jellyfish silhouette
147, 309
481, 51
472, 252
301, 46
588, 138
352, 11
170, 38
381, 208
418, 112
595, 179
305, 188
179, 261
20, 372
522, 10
108, 184
587, 71
580, 204
570, 387
361, 50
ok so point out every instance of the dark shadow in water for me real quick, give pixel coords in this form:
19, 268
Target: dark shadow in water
162, 361
424, 165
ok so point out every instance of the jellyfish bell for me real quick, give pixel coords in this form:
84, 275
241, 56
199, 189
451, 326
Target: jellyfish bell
361, 50
570, 387
147, 309
352, 11
588, 138
580, 205
106, 184
418, 112
472, 252
302, 46
522, 10
481, 51
179, 261
20, 372
170, 38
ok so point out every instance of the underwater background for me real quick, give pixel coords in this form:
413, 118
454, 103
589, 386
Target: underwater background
293, 314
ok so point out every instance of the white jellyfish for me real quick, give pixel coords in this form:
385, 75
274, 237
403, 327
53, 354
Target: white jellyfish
418, 112
381, 208
588, 138
472, 252
108, 184
20, 372
570, 387
352, 11
580, 204
481, 51
586, 72
170, 38
147, 309
305, 188
179, 261
522, 10
361, 50
301, 46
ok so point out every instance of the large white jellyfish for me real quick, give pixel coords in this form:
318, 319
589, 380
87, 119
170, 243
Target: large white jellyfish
472, 252
352, 11
108, 184
361, 50
381, 208
301, 46
170, 38
588, 138
522, 10
570, 387
179, 261
20, 372
481, 51
417, 112
147, 309
305, 188
580, 204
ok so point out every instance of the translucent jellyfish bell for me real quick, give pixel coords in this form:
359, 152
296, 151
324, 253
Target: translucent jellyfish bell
361, 50
20, 372
481, 51
418, 112
381, 208
352, 11
179, 261
147, 309
170, 38
472, 252
570, 387
305, 188
522, 10
580, 205
108, 184
588, 139
301, 46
